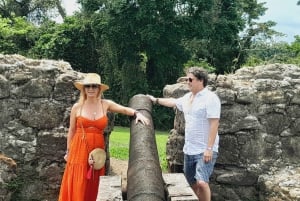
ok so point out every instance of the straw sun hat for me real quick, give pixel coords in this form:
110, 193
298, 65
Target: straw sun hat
91, 78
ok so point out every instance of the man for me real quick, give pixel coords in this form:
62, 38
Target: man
201, 108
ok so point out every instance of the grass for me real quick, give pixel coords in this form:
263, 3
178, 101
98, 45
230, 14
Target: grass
119, 145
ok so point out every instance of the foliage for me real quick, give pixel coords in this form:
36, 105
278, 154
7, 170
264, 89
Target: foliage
140, 46
262, 52
36, 11
119, 144
215, 30
163, 117
145, 41
15, 35
15, 187
72, 41
200, 62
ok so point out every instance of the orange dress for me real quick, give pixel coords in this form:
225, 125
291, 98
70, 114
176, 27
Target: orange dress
75, 186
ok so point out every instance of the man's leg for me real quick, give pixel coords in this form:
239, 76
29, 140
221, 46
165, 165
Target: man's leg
203, 172
202, 190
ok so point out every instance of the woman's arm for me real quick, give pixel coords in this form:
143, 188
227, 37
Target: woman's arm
117, 108
72, 127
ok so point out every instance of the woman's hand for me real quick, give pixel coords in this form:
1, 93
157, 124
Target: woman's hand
91, 160
66, 157
140, 117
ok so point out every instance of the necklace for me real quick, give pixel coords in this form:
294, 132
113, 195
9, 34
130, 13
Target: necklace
94, 113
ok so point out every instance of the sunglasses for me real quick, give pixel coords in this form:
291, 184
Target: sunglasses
190, 79
93, 86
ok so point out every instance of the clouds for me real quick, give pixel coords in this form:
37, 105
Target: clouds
286, 15
71, 6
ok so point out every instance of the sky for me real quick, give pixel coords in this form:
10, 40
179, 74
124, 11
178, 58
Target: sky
70, 6
285, 13
287, 16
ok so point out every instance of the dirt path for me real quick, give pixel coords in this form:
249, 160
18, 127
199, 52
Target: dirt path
119, 167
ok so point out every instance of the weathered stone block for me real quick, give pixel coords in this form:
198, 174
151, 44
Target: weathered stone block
110, 189
178, 188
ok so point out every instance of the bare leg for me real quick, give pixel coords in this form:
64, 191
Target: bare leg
195, 189
202, 191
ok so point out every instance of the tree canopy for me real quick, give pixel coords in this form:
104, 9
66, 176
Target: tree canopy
139, 46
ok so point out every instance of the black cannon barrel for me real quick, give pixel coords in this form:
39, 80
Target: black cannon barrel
144, 175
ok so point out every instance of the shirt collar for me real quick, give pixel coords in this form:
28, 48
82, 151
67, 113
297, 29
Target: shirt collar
202, 92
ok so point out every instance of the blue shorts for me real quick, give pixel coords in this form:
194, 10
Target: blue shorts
196, 169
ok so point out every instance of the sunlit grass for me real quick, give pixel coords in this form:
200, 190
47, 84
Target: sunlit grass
119, 144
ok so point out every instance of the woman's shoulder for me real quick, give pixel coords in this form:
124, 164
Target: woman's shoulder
107, 101
76, 106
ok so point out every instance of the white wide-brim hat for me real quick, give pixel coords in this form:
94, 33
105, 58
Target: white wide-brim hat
91, 78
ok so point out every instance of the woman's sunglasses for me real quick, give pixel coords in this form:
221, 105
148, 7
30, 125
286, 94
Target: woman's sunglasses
94, 86
190, 79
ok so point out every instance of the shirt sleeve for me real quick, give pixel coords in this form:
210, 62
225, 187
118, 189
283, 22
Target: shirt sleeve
213, 106
179, 103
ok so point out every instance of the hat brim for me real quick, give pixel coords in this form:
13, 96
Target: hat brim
80, 85
99, 157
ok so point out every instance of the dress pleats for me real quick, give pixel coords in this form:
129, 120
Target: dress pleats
75, 186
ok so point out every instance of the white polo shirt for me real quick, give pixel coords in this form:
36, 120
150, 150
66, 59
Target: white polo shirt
206, 104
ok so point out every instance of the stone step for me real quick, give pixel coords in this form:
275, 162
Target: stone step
110, 188
178, 188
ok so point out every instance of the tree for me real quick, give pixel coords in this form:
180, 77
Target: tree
264, 51
143, 32
226, 29
140, 46
72, 41
34, 10
16, 35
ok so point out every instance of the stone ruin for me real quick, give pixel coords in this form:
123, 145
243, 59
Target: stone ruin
259, 130
259, 154
36, 97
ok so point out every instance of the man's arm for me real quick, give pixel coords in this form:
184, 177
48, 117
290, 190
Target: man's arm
167, 102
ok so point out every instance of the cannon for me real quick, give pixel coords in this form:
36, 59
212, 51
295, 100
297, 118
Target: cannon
144, 175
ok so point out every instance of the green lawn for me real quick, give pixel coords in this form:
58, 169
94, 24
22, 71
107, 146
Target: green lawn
119, 144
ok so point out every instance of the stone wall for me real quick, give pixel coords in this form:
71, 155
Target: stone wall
259, 130
35, 101
259, 155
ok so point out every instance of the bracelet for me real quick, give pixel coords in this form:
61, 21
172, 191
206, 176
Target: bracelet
156, 101
209, 148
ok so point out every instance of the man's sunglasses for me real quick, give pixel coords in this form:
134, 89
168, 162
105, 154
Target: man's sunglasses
94, 86
190, 79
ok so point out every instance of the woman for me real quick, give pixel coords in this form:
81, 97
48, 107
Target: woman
87, 123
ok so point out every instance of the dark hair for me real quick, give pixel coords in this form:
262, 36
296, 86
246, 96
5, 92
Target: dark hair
199, 73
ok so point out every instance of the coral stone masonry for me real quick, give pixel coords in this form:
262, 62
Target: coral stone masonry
259, 154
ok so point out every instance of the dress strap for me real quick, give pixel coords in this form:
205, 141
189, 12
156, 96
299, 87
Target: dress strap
80, 109
102, 107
